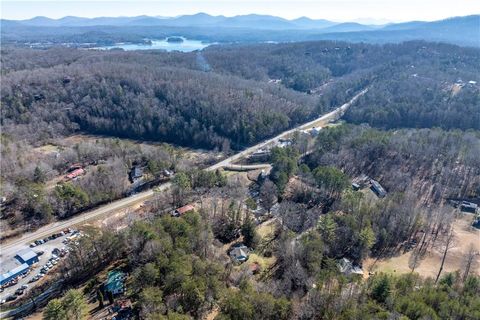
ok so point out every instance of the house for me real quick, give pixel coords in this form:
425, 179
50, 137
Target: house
182, 210
239, 253
283, 143
12, 274
262, 176
315, 131
115, 283
347, 267
136, 173
260, 154
378, 189
75, 173
27, 256
468, 207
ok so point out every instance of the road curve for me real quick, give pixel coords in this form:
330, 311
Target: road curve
15, 245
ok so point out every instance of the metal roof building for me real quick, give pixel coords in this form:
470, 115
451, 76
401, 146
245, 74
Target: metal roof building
27, 256
6, 277
115, 282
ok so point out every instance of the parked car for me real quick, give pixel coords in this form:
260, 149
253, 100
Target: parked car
19, 291
33, 245
10, 298
39, 253
25, 286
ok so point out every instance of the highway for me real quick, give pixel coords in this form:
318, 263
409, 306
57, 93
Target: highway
10, 247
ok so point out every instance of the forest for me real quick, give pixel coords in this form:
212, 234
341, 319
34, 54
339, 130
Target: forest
415, 132
192, 99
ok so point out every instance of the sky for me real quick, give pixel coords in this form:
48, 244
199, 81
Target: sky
372, 11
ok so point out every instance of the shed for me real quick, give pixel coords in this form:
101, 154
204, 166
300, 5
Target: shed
12, 274
27, 256
182, 210
378, 189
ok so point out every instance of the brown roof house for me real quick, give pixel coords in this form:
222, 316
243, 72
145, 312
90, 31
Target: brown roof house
182, 210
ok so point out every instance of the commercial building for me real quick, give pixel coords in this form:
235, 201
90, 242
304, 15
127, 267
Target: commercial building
12, 274
27, 256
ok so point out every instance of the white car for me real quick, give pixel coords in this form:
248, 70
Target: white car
25, 286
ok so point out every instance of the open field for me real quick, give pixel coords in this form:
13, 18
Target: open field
465, 235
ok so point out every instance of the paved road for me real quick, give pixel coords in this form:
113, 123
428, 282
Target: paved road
11, 247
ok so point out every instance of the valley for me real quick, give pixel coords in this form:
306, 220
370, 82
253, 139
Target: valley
245, 167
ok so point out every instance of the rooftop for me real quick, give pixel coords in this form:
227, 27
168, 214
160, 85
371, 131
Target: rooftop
115, 281
26, 254
185, 209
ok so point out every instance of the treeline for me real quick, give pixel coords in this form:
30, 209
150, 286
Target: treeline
135, 100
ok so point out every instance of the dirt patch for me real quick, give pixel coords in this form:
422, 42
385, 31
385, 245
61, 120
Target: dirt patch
465, 235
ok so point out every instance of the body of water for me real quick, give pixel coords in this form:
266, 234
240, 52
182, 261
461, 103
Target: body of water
185, 46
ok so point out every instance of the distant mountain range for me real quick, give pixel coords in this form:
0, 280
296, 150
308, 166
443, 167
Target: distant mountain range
251, 28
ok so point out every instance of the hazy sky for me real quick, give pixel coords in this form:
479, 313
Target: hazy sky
338, 10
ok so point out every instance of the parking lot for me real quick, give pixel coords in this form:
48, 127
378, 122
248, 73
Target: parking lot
50, 251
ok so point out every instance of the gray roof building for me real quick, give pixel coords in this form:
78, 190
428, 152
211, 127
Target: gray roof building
27, 256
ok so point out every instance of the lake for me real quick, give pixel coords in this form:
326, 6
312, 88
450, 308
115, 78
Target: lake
186, 46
